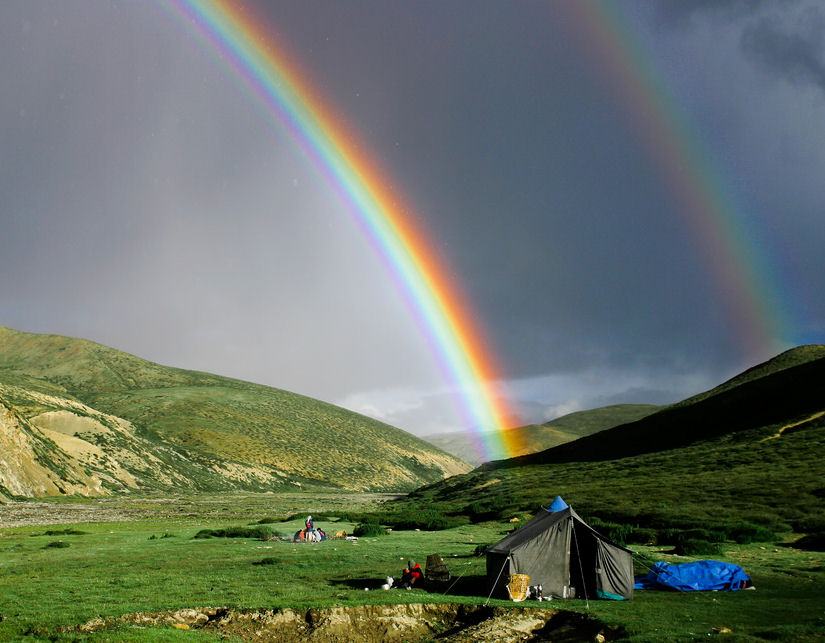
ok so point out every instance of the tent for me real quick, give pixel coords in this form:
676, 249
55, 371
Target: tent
563, 554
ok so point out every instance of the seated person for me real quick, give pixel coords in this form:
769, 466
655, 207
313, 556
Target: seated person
411, 575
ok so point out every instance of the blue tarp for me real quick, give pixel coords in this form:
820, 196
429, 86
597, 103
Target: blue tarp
689, 577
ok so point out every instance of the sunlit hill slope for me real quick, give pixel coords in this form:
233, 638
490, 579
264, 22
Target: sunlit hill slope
751, 450
78, 417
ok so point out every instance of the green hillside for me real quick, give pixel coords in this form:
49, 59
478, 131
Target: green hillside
538, 437
747, 453
125, 423
786, 389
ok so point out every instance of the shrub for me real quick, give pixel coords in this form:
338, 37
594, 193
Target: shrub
811, 542
57, 544
369, 529
697, 547
235, 532
266, 561
747, 533
166, 534
427, 520
709, 535
488, 509
643, 536
809, 524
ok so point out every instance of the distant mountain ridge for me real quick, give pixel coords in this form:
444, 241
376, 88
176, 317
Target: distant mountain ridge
747, 454
788, 387
538, 437
77, 417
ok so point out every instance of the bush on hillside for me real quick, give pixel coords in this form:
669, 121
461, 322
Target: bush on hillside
642, 536
425, 519
809, 524
493, 508
747, 533
266, 561
811, 542
616, 532
57, 544
696, 547
258, 533
370, 528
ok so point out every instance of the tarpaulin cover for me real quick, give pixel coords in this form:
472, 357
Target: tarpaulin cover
689, 577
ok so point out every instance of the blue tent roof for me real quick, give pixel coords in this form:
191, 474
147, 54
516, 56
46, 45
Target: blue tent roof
557, 505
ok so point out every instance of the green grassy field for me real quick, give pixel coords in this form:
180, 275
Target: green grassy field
156, 564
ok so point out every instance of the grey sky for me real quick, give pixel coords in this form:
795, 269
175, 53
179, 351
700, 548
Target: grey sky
148, 202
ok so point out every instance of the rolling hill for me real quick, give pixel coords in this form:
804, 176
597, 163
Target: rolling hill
538, 437
750, 450
785, 389
77, 417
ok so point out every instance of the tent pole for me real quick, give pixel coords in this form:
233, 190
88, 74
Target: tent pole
454, 582
495, 582
581, 569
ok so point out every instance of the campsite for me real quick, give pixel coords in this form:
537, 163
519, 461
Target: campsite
412, 321
141, 574
191, 561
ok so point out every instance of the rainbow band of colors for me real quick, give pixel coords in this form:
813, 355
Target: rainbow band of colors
743, 279
441, 312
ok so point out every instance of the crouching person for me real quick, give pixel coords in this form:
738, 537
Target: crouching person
411, 575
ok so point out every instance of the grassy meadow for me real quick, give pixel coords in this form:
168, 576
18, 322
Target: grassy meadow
54, 577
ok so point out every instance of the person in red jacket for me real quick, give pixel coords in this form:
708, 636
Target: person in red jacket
411, 575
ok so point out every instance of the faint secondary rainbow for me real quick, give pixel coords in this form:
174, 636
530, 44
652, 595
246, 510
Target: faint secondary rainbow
441, 311
744, 280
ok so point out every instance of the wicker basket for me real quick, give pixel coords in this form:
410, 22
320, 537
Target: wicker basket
436, 571
517, 585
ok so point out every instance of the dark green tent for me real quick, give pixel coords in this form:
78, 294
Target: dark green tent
563, 554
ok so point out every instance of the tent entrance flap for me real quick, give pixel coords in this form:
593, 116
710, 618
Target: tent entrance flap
583, 563
498, 570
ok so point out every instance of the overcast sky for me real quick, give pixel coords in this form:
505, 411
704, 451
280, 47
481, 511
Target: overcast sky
149, 202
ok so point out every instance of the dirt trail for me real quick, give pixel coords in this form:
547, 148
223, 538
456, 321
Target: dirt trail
452, 623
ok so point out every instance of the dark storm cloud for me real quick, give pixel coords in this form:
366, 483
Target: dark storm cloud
680, 12
798, 57
150, 201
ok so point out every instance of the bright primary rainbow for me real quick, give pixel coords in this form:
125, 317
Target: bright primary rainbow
446, 321
456, 341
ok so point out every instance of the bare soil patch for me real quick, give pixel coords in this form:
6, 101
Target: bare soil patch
453, 623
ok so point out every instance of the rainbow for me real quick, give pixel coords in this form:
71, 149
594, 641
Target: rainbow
441, 310
744, 280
